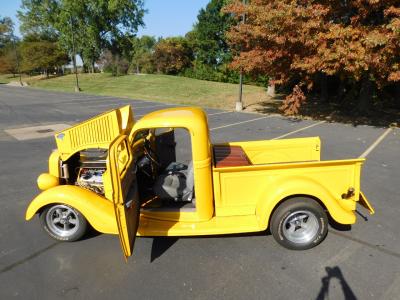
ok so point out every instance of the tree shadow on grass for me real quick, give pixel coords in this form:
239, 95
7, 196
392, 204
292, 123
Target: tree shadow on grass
333, 112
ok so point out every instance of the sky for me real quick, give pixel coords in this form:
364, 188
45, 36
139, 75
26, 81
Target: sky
164, 17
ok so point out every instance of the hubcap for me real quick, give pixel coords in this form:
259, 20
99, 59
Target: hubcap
300, 227
62, 220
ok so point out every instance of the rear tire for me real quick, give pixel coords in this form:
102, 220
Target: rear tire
299, 223
63, 223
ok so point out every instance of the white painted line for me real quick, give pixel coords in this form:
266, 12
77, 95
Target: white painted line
110, 104
376, 143
220, 113
92, 99
238, 123
298, 130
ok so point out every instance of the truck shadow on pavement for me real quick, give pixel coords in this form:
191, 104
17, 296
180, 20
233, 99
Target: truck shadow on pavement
332, 273
161, 244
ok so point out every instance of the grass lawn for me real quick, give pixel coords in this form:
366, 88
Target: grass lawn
6, 78
163, 88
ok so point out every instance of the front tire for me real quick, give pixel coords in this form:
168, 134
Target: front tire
299, 223
63, 223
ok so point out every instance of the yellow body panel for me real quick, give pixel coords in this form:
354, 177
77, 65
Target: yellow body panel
228, 199
54, 163
268, 184
125, 196
97, 210
216, 225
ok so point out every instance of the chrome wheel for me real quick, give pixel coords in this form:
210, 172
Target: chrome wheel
300, 227
62, 220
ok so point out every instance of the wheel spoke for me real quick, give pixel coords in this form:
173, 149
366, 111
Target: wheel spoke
292, 228
72, 221
56, 220
302, 217
66, 226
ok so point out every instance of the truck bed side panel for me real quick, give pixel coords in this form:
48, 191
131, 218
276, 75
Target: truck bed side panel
258, 189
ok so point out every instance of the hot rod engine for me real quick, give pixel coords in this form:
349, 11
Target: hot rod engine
92, 165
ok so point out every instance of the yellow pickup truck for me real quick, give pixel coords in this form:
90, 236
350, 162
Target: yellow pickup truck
162, 176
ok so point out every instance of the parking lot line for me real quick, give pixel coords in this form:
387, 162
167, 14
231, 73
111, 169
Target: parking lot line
376, 143
220, 113
151, 106
238, 123
297, 130
118, 104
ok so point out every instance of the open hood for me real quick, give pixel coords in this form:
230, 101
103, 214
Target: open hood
97, 132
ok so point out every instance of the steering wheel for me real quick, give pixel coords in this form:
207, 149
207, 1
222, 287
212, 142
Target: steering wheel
148, 151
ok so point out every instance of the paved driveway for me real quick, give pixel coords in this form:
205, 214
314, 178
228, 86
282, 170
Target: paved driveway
362, 263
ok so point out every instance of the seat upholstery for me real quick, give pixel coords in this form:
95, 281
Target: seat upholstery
175, 183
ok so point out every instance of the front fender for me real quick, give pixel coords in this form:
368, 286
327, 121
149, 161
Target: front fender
98, 211
305, 187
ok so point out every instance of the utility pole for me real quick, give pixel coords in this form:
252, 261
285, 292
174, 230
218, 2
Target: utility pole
77, 88
239, 102
16, 58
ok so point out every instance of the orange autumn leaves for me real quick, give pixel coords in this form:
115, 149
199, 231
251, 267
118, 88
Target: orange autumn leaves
294, 41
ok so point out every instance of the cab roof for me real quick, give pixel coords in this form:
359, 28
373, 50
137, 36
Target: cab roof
192, 118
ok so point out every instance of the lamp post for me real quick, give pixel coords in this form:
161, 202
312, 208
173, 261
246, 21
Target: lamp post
77, 88
16, 57
239, 102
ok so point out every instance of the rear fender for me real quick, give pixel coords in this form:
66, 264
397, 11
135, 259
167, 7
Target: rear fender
304, 187
97, 210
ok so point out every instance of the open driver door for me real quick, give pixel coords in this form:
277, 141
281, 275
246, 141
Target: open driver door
125, 195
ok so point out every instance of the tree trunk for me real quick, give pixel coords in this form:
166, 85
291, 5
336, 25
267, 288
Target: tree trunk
365, 95
324, 87
341, 91
271, 88
397, 94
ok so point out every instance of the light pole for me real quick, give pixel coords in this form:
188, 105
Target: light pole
16, 57
77, 88
239, 102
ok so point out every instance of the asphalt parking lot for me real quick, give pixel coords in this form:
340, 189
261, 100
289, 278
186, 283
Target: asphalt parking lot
363, 263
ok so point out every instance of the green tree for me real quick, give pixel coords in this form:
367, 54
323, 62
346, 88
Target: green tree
93, 24
41, 55
6, 31
211, 50
208, 35
8, 61
8, 47
142, 50
173, 55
